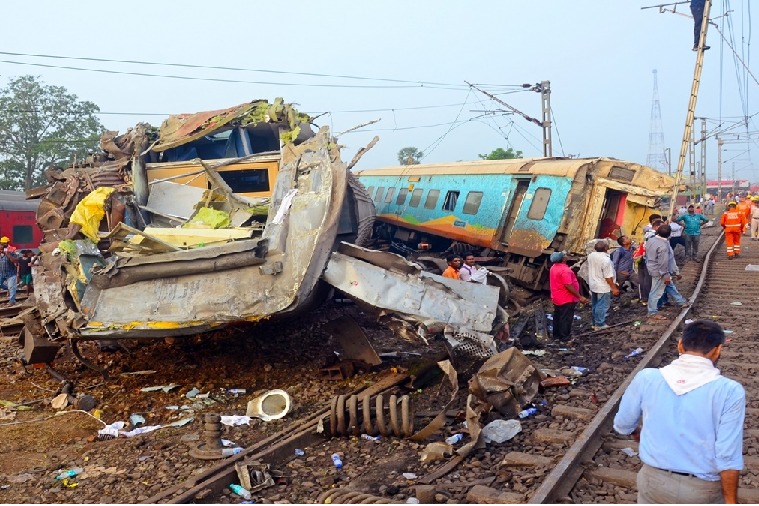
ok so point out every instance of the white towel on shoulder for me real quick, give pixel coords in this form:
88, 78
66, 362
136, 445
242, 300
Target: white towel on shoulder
689, 372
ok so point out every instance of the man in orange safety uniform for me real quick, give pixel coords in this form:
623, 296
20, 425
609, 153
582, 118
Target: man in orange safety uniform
744, 206
733, 222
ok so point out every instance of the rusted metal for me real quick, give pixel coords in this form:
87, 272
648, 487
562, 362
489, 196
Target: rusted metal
566, 473
347, 496
351, 416
210, 447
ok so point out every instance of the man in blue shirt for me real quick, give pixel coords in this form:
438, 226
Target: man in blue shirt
692, 223
691, 443
8, 271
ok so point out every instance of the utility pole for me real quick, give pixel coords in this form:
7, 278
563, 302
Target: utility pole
692, 165
544, 88
691, 105
656, 152
703, 159
545, 102
720, 142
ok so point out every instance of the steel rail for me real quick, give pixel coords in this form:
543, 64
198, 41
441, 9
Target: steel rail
270, 450
564, 476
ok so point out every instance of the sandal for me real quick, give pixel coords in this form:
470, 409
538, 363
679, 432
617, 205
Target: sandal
658, 316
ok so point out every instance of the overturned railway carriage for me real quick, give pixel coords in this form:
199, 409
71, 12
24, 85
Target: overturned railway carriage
520, 210
201, 223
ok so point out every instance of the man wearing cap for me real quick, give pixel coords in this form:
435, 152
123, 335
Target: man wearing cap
755, 219
8, 272
733, 222
565, 294
691, 440
6, 243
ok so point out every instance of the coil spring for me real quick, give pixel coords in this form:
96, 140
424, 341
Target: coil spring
371, 415
343, 496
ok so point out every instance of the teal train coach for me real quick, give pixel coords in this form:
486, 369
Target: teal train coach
518, 210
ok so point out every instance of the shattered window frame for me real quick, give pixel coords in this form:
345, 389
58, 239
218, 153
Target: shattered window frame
390, 194
451, 199
247, 180
416, 197
401, 197
539, 204
380, 194
432, 197
472, 202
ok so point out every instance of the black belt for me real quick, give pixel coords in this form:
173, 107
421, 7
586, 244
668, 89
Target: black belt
675, 472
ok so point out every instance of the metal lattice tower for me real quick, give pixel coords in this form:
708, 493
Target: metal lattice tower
656, 156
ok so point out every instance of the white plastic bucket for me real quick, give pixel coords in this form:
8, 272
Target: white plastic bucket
270, 405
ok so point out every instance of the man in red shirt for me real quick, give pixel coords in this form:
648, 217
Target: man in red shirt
565, 294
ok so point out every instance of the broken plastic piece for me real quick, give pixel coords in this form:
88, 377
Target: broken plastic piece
436, 451
634, 353
192, 393
165, 388
234, 420
629, 452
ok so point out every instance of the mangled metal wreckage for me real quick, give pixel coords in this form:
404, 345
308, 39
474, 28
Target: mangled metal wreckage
215, 218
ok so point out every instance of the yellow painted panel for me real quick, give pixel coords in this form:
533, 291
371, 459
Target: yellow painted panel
158, 171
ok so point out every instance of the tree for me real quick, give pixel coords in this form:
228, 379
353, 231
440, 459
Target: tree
501, 154
42, 125
410, 156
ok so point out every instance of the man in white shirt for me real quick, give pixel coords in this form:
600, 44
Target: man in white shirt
676, 237
602, 283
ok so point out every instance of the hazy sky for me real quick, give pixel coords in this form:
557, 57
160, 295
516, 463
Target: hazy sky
597, 54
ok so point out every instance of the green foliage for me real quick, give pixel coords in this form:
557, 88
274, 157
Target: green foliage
410, 156
42, 125
502, 154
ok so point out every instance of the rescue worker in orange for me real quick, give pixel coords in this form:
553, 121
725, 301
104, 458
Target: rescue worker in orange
733, 222
744, 207
454, 264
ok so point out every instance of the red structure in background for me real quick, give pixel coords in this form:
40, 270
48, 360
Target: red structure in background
18, 220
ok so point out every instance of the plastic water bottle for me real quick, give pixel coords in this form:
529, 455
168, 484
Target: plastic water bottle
239, 490
454, 439
370, 438
634, 353
70, 473
228, 452
299, 452
528, 412
337, 461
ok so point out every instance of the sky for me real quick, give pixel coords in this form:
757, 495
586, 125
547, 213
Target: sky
407, 64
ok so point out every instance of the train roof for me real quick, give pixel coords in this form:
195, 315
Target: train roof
11, 200
567, 167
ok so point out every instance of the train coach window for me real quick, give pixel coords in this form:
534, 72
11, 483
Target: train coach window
22, 234
472, 203
432, 197
370, 191
380, 193
401, 196
449, 204
416, 197
539, 204
389, 196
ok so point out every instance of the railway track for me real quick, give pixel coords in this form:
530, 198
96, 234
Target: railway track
601, 466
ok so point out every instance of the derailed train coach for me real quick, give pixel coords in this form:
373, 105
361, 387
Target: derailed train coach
515, 211
214, 218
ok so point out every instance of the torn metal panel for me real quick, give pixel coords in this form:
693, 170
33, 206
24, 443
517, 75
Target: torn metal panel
421, 294
182, 301
173, 199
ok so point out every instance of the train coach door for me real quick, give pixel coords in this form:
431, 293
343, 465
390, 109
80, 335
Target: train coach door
612, 215
514, 206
